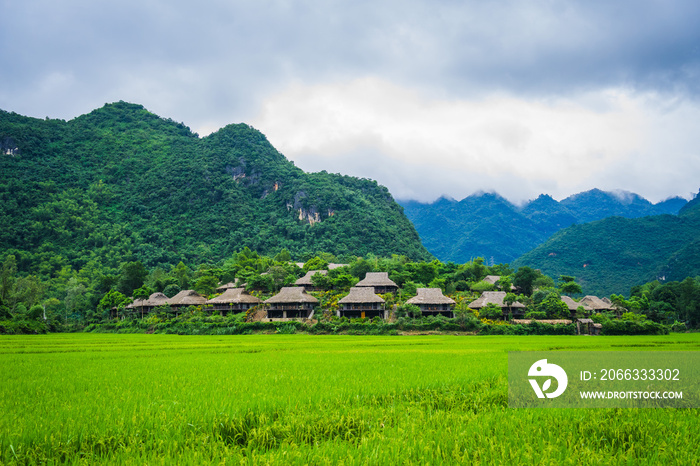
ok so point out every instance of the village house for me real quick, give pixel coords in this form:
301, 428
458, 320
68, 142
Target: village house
574, 305
305, 281
233, 300
186, 298
497, 297
379, 281
598, 305
145, 306
431, 301
292, 302
360, 303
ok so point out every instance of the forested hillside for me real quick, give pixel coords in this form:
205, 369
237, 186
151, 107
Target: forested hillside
122, 184
617, 253
487, 225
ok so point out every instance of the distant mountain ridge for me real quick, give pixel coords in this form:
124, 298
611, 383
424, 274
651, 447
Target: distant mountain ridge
488, 225
614, 254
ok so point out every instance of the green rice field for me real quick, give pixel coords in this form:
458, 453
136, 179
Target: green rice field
299, 399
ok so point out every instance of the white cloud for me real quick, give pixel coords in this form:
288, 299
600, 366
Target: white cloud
518, 147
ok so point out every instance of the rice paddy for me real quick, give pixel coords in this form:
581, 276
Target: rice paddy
299, 399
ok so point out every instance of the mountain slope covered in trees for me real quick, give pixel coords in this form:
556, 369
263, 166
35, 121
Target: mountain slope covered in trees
121, 183
487, 225
617, 253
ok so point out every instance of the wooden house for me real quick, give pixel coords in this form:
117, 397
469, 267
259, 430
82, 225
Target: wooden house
497, 297
292, 302
431, 301
598, 305
379, 281
186, 298
233, 300
574, 305
306, 282
145, 306
360, 303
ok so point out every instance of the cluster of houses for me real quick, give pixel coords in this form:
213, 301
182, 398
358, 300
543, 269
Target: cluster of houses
363, 301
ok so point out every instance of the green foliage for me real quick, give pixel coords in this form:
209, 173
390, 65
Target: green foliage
480, 287
553, 306
618, 253
491, 311
120, 191
524, 280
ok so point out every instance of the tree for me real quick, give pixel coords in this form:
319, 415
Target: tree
7, 279
112, 300
76, 298
132, 276
181, 273
553, 306
524, 279
142, 294
283, 256
206, 284
504, 283
509, 299
315, 263
491, 311
171, 290
568, 285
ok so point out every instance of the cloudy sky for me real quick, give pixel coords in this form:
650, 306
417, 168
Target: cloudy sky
429, 98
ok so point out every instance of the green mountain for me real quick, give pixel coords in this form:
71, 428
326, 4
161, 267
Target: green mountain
121, 183
614, 254
487, 225
482, 225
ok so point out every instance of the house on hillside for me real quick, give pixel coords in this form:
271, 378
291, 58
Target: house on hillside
292, 302
186, 298
497, 297
432, 302
379, 281
233, 300
305, 281
360, 303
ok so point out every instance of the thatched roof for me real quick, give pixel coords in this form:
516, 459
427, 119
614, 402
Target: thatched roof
306, 279
492, 279
156, 299
596, 303
292, 294
550, 321
361, 295
586, 321
573, 305
430, 296
187, 298
332, 266
495, 297
235, 296
225, 287
377, 279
